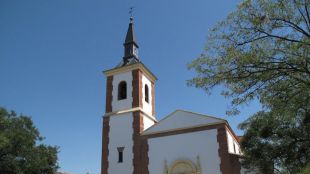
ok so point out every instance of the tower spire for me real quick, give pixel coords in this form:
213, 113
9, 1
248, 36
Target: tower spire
130, 36
130, 44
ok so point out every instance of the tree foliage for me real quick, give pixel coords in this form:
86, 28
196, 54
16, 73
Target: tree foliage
281, 139
305, 170
262, 51
20, 151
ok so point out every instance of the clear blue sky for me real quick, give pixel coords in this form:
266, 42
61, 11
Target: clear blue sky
53, 52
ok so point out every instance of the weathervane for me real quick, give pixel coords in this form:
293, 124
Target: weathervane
131, 13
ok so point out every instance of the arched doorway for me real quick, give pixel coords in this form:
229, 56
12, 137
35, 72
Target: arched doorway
183, 167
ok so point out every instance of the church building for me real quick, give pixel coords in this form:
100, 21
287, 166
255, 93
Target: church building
135, 142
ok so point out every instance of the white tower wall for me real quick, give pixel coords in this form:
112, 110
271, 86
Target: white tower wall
147, 106
121, 136
118, 105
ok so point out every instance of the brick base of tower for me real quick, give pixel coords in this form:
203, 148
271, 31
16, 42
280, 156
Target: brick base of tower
105, 145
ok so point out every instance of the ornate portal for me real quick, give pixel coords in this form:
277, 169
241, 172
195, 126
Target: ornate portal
183, 167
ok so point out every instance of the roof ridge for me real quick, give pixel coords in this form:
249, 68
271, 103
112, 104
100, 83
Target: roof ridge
204, 115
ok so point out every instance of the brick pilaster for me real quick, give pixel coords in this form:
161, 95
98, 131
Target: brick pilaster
225, 165
235, 164
105, 145
144, 156
109, 97
137, 129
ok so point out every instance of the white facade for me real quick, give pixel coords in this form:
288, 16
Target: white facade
147, 122
233, 145
186, 146
120, 135
147, 106
182, 142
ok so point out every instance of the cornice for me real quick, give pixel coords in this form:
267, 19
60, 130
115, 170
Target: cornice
131, 67
118, 113
190, 128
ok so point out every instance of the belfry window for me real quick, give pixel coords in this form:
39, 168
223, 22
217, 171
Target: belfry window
120, 154
122, 90
146, 92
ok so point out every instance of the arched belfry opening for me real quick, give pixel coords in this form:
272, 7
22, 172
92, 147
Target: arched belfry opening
122, 90
146, 92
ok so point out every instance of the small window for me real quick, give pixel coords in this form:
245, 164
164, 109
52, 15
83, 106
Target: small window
146, 92
122, 90
234, 148
120, 157
120, 154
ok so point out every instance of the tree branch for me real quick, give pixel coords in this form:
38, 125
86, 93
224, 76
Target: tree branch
307, 13
293, 25
302, 14
281, 37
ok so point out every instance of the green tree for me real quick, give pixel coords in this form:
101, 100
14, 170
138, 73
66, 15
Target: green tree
20, 151
262, 51
305, 170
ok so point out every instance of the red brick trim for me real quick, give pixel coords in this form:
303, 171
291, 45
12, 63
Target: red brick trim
105, 145
230, 163
223, 150
153, 98
235, 163
137, 129
136, 88
109, 97
144, 156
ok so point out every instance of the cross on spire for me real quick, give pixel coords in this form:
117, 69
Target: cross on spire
131, 14
131, 11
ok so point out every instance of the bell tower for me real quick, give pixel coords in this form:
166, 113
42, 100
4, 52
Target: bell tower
130, 109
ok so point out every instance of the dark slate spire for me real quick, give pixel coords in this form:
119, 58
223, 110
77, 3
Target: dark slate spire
130, 45
130, 36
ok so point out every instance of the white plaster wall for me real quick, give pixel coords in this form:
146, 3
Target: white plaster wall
120, 135
185, 146
147, 122
125, 103
231, 141
147, 106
